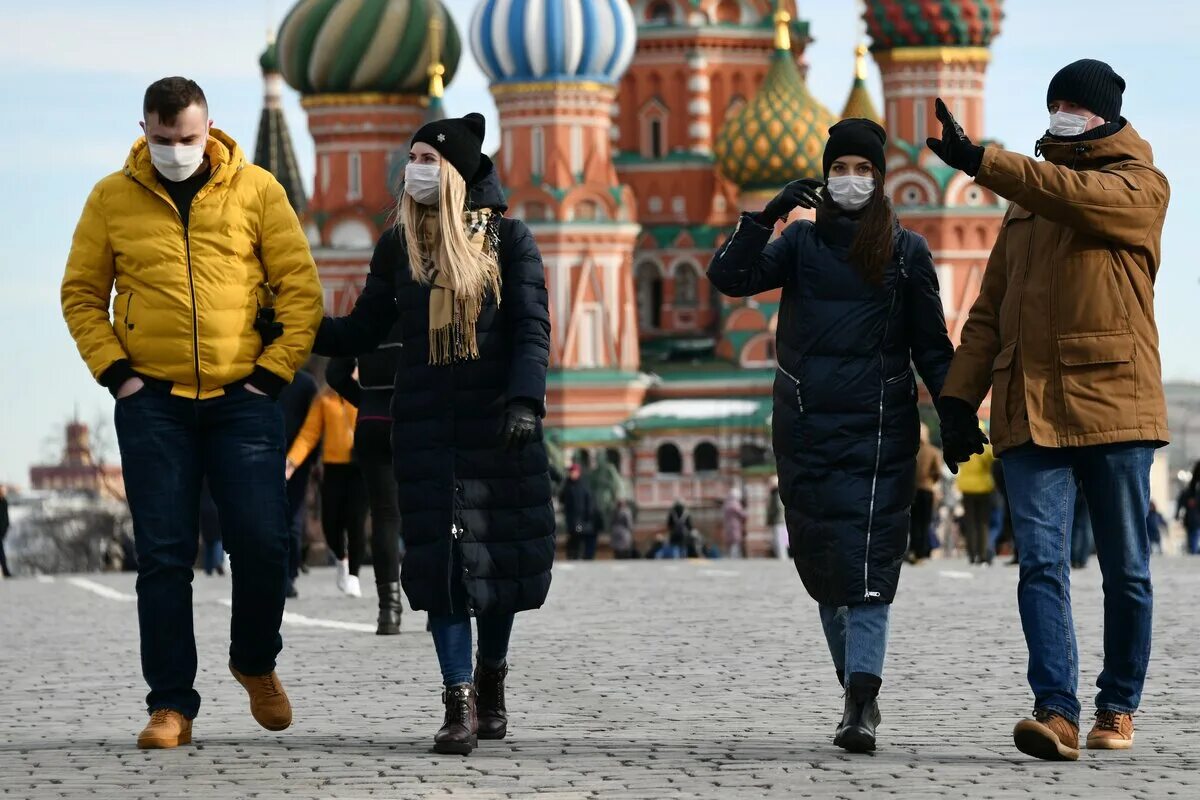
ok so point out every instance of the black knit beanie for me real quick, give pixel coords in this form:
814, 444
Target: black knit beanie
856, 137
458, 140
1091, 84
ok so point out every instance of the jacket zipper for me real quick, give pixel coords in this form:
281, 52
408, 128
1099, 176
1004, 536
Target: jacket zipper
796, 381
867, 593
455, 531
128, 305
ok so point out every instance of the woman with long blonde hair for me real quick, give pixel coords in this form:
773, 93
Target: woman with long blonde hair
467, 288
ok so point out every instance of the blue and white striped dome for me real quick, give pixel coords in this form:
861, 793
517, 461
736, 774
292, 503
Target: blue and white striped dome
517, 41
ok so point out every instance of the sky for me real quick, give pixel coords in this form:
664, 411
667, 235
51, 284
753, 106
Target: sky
74, 77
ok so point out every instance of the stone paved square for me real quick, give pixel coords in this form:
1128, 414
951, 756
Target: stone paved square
637, 680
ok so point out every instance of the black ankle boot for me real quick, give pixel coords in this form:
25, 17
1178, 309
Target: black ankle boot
489, 688
861, 716
390, 609
458, 735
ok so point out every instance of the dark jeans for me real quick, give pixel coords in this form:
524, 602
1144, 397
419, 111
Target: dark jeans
919, 522
452, 640
373, 452
1041, 489
977, 521
344, 512
1193, 541
168, 446
3, 560
297, 500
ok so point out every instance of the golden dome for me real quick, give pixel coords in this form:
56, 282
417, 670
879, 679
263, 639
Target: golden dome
858, 103
779, 135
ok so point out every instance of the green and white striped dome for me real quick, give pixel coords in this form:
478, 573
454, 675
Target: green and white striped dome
352, 46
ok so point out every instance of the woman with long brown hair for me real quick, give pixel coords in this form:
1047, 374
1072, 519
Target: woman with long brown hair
466, 287
860, 304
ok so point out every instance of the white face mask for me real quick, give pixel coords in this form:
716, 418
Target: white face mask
177, 162
1064, 125
422, 182
851, 192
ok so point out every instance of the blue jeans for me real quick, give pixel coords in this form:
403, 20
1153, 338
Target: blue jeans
1193, 541
168, 446
214, 557
452, 640
857, 637
1041, 490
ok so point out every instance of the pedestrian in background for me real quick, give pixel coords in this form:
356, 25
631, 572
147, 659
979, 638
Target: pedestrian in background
734, 520
860, 305
217, 300
1078, 393
929, 475
776, 521
330, 424
679, 532
295, 401
579, 515
621, 534
978, 490
366, 382
1082, 538
210, 533
4, 570
1187, 511
1006, 538
469, 291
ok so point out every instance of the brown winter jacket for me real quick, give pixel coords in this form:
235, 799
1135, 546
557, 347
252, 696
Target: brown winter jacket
929, 467
1063, 331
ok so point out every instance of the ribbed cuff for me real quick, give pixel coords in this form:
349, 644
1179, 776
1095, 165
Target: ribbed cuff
116, 375
267, 382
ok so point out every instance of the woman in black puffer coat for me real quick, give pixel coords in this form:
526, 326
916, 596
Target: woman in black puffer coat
860, 304
468, 289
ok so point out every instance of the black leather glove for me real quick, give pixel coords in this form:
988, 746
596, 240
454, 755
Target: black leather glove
520, 426
961, 437
802, 193
954, 147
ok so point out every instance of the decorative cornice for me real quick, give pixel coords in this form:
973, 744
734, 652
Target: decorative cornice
362, 99
944, 55
500, 90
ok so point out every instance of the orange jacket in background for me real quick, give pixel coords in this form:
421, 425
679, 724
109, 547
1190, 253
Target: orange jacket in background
330, 423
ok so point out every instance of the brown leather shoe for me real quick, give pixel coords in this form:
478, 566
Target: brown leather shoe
166, 728
1112, 731
268, 701
1048, 736
459, 734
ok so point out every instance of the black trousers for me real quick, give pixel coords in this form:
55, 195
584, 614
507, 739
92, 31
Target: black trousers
3, 559
977, 521
373, 452
921, 519
344, 512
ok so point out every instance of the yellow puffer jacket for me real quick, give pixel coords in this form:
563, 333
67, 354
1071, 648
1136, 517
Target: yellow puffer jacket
186, 300
975, 476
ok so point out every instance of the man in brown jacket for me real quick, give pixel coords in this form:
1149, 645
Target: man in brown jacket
929, 478
1063, 335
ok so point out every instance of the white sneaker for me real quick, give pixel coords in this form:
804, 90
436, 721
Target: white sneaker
343, 573
352, 587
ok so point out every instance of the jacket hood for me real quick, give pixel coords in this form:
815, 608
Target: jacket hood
485, 190
1124, 145
221, 150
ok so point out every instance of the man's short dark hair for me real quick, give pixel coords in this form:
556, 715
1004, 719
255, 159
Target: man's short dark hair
168, 96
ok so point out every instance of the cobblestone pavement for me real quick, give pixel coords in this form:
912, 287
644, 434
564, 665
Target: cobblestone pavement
638, 680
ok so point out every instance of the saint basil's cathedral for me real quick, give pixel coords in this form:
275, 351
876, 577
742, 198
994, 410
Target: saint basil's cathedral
632, 133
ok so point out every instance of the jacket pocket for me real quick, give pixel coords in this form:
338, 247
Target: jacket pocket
123, 324
1099, 383
1001, 381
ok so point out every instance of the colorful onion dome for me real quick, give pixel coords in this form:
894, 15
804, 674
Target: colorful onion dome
353, 46
525, 41
859, 103
779, 135
932, 23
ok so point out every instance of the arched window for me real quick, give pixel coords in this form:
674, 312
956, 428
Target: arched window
614, 457
687, 286
589, 211
706, 457
649, 295
659, 12
670, 460
583, 458
729, 12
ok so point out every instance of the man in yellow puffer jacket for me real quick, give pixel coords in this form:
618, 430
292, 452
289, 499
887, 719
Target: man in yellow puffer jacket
978, 490
202, 248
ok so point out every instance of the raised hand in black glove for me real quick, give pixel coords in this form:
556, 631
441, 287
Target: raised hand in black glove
954, 147
520, 426
802, 193
961, 437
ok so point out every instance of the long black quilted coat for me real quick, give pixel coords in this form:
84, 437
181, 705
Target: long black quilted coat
846, 428
478, 520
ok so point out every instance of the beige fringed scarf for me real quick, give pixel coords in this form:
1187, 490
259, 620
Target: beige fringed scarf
453, 312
